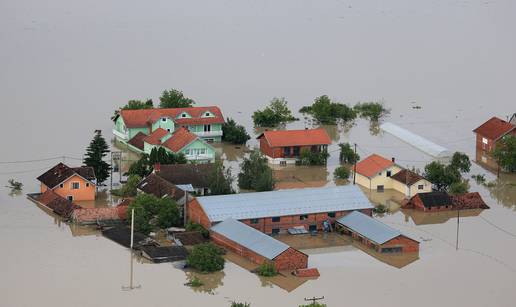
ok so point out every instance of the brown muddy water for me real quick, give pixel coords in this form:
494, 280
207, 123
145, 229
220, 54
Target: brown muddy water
66, 65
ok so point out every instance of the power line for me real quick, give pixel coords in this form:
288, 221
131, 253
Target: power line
25, 171
498, 227
39, 160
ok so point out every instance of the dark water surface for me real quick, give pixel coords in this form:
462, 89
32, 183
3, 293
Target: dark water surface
66, 65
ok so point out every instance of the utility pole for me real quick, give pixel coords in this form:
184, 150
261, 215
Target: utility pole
457, 242
355, 164
185, 219
131, 284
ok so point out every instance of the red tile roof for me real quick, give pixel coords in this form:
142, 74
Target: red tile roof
494, 128
373, 165
407, 177
305, 137
137, 140
142, 118
180, 139
469, 201
155, 137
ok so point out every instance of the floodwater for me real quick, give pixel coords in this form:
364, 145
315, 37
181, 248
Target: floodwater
66, 65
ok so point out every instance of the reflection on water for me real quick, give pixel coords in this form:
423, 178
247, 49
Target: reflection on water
428, 218
210, 281
289, 177
389, 198
504, 191
397, 260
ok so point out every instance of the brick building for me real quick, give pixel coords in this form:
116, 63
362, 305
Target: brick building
487, 135
277, 211
256, 246
441, 201
376, 235
285, 146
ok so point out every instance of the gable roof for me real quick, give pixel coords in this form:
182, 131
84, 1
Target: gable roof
144, 117
137, 140
407, 177
434, 199
372, 165
159, 187
284, 202
61, 172
250, 238
155, 137
369, 227
494, 128
194, 174
181, 138
471, 200
304, 137
58, 204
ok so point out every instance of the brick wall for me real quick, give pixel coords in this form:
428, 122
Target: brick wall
484, 147
408, 245
417, 204
197, 215
291, 259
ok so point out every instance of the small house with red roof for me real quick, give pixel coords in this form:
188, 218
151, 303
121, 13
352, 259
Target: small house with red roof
378, 173
491, 131
181, 141
285, 146
205, 122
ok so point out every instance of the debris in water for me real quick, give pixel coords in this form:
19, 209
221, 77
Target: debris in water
15, 185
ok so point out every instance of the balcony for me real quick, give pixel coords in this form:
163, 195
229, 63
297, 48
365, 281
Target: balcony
204, 134
120, 135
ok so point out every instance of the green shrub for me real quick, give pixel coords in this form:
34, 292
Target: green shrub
195, 282
309, 157
347, 154
233, 133
459, 187
206, 258
380, 209
372, 110
130, 187
479, 179
325, 111
341, 172
197, 227
313, 305
277, 112
267, 269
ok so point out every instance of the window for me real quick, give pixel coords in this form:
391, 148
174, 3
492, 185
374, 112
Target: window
207, 114
283, 163
76, 185
163, 119
420, 187
380, 173
207, 128
69, 197
183, 115
388, 173
312, 228
484, 140
276, 219
87, 184
168, 129
254, 221
296, 151
331, 214
286, 151
303, 217
61, 185
275, 231
379, 188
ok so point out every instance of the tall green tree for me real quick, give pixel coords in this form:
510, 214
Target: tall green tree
445, 176
206, 257
233, 133
347, 154
221, 180
151, 212
145, 164
505, 153
277, 112
372, 110
255, 173
174, 99
95, 154
325, 111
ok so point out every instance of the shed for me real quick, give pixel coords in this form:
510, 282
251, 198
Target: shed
257, 246
376, 234
160, 254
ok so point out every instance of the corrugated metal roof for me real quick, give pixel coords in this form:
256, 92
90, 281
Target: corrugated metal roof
417, 141
284, 202
250, 238
368, 227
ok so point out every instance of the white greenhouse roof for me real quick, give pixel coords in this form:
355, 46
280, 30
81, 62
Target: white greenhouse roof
417, 141
250, 238
284, 202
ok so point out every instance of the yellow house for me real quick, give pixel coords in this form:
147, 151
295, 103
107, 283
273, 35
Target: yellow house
378, 173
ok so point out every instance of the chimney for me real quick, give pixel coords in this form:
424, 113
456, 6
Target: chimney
393, 160
157, 167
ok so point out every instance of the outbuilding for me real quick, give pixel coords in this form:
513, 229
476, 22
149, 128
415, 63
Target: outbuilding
256, 246
441, 201
276, 211
376, 235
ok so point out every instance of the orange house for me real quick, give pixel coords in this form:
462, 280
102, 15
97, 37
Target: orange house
72, 183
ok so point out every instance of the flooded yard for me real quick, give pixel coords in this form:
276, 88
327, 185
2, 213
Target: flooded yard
67, 65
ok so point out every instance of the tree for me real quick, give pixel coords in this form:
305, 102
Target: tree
277, 112
372, 110
235, 304
444, 176
460, 161
255, 172
347, 154
341, 172
143, 167
206, 257
134, 105
142, 216
233, 133
130, 188
505, 153
221, 180
328, 112
174, 99
151, 211
267, 269
309, 157
459, 187
95, 153
168, 213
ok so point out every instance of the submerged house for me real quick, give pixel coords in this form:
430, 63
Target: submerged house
256, 246
72, 183
491, 132
441, 201
375, 234
285, 146
378, 173
277, 211
185, 175
205, 122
